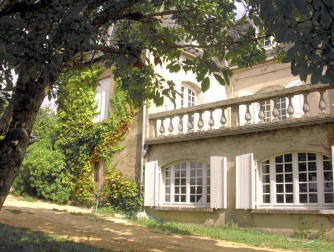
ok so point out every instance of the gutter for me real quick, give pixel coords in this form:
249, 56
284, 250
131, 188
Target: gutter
143, 152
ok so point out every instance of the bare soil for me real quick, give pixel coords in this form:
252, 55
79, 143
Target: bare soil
107, 233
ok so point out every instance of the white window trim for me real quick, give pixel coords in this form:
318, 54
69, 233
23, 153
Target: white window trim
296, 205
172, 187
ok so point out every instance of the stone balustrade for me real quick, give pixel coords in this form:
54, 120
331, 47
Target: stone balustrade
301, 103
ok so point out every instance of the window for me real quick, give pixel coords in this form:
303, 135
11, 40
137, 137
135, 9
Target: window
297, 179
188, 99
96, 169
267, 43
187, 183
268, 106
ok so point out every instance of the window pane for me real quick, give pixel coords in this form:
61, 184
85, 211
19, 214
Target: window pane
279, 159
167, 198
288, 177
289, 188
313, 198
279, 168
266, 198
288, 158
266, 189
192, 198
279, 198
312, 187
302, 167
328, 187
279, 178
329, 198
302, 187
288, 167
289, 198
328, 176
266, 179
311, 156
302, 177
301, 156
183, 190
183, 198
312, 166
303, 198
279, 188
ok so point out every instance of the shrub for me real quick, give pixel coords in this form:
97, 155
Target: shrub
43, 173
120, 193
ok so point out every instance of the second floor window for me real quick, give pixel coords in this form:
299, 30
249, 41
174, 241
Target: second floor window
188, 99
268, 106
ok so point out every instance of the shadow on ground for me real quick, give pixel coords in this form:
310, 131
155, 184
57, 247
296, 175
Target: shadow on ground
20, 239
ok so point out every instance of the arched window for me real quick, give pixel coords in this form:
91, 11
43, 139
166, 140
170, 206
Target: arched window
301, 179
268, 106
186, 182
189, 98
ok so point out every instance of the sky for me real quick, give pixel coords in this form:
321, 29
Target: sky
240, 10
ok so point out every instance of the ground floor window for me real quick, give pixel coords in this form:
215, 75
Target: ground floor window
297, 179
187, 183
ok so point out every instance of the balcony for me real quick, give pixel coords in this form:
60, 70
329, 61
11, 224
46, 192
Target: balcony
290, 107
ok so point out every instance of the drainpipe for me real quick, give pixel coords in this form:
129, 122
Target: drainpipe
142, 152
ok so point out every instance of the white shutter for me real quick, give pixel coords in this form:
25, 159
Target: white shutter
151, 184
333, 160
218, 180
245, 182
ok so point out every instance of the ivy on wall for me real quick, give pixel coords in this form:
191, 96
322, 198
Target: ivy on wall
59, 165
83, 141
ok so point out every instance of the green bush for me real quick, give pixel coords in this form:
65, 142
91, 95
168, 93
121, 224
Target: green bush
43, 172
120, 193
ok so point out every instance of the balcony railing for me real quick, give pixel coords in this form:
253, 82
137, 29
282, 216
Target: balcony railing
291, 105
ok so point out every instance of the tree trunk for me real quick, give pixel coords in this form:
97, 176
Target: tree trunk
27, 99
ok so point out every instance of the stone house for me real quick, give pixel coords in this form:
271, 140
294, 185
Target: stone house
256, 153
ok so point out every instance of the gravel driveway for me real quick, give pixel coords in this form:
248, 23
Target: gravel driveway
114, 234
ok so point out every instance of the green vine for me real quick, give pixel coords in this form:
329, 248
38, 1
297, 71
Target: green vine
82, 141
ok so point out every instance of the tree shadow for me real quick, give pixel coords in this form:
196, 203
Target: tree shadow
20, 239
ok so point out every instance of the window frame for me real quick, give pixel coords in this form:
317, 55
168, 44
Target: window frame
206, 185
319, 161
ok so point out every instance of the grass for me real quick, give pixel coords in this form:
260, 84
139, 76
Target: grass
18, 239
233, 234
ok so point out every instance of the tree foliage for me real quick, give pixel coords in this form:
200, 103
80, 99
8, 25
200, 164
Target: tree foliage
40, 39
307, 27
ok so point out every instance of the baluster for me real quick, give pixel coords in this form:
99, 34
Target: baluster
180, 126
261, 114
223, 120
211, 121
153, 128
322, 103
171, 127
190, 124
200, 123
162, 127
275, 111
306, 106
290, 110
248, 116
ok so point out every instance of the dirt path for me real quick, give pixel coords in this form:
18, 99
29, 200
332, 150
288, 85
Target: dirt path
107, 233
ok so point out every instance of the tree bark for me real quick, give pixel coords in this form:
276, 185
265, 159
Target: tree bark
27, 99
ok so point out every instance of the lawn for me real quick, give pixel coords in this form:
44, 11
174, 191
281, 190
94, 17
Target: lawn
248, 237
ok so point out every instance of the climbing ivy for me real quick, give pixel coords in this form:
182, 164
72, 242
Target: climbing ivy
82, 141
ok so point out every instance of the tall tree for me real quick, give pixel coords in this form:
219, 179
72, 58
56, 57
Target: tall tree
39, 39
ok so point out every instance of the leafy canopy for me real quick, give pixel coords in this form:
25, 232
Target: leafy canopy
307, 27
39, 39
